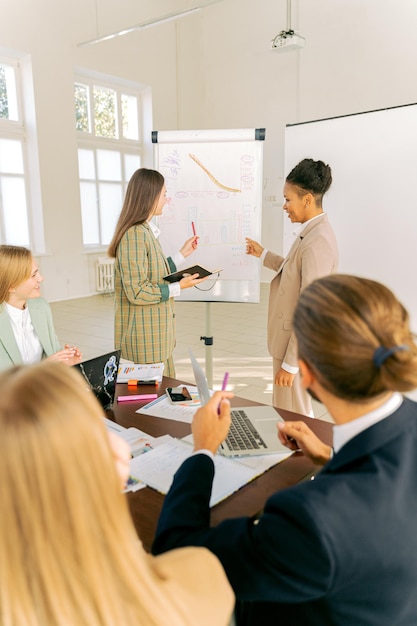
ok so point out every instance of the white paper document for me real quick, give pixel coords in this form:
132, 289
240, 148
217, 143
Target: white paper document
139, 442
179, 412
136, 371
260, 462
157, 469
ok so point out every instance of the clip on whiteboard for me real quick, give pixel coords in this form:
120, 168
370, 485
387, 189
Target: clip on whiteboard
189, 271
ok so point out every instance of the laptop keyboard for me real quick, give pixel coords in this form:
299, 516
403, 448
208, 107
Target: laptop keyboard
242, 434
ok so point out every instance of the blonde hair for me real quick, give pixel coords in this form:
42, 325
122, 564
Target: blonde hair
69, 551
340, 322
15, 268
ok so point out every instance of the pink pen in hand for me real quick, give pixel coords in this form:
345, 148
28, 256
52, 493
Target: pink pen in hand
195, 235
224, 385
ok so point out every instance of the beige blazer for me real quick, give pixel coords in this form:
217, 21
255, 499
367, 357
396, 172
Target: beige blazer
195, 583
313, 254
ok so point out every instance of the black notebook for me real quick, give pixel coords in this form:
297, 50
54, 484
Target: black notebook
189, 271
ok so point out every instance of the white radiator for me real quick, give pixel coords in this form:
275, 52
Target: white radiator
104, 275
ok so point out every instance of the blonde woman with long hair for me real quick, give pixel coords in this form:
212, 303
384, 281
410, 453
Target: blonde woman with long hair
27, 332
69, 553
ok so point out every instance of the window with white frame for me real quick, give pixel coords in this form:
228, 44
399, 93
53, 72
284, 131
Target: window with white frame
14, 210
107, 118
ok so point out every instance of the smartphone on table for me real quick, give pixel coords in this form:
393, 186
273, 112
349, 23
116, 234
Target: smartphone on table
179, 394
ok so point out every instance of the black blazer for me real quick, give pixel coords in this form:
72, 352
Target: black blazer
340, 549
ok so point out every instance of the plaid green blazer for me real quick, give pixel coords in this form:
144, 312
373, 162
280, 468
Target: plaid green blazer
144, 329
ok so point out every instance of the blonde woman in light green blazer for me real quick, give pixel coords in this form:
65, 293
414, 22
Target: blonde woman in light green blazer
144, 328
27, 332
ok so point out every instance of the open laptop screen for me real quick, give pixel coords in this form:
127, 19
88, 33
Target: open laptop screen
200, 379
101, 375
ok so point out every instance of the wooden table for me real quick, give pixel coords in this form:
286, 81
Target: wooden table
145, 504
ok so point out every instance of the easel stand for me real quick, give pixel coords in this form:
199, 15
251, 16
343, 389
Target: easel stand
208, 342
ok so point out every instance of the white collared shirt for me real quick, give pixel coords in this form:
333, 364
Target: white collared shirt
178, 258
26, 338
342, 433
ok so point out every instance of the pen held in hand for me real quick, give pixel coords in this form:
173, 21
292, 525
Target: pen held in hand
195, 242
224, 385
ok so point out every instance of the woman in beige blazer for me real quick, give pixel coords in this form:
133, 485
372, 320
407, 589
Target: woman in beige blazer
69, 550
144, 329
313, 254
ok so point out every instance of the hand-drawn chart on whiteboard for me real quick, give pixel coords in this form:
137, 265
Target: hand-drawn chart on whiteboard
214, 181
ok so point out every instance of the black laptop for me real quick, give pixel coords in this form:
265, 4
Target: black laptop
101, 374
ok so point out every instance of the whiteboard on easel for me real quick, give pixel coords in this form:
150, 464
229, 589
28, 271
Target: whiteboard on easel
214, 181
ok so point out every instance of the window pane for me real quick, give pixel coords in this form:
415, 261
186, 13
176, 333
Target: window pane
82, 116
130, 117
8, 93
110, 156
13, 197
11, 156
109, 165
86, 165
105, 112
89, 213
4, 104
132, 163
111, 199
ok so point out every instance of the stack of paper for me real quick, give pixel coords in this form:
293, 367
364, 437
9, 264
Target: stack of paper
139, 442
157, 468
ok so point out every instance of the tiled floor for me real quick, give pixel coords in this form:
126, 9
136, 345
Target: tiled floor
238, 331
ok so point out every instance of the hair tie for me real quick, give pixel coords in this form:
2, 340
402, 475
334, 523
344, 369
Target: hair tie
382, 353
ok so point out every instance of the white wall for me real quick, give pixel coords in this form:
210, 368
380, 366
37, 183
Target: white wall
213, 69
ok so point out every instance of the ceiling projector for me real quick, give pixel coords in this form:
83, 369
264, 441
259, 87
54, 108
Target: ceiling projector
287, 40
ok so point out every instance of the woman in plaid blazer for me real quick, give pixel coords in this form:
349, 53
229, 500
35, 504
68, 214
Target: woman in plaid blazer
144, 328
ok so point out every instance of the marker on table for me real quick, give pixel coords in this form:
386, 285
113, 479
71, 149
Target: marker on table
135, 383
224, 385
140, 398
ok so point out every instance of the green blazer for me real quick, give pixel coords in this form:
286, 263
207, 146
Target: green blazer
144, 330
41, 317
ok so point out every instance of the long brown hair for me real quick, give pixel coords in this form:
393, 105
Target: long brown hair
69, 551
340, 321
142, 193
15, 268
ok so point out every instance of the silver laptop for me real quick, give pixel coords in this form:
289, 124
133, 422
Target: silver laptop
254, 428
